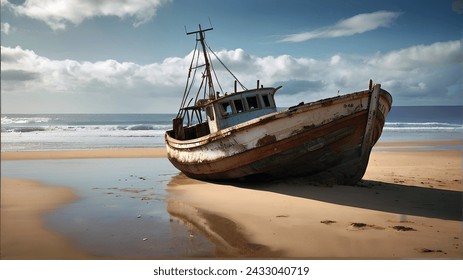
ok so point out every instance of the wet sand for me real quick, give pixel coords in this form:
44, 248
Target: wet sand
23, 232
409, 205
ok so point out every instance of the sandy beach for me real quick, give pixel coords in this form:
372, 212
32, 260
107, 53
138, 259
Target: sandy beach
409, 205
23, 233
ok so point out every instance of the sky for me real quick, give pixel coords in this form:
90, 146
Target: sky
132, 56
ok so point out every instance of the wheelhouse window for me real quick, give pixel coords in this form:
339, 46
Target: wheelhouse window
238, 105
266, 100
252, 102
226, 109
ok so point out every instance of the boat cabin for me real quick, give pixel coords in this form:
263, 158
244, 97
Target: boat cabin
224, 112
237, 108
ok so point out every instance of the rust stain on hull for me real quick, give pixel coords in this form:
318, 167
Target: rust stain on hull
266, 140
334, 149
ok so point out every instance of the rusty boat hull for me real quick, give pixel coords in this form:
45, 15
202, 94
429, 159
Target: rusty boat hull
327, 139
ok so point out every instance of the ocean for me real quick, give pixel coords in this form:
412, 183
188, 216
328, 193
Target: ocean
423, 123
41, 132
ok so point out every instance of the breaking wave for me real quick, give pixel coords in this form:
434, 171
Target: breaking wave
90, 128
423, 126
24, 120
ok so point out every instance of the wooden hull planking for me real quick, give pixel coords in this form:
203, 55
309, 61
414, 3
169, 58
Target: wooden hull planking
328, 139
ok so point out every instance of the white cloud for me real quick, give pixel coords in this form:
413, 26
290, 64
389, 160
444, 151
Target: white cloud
68, 75
6, 27
424, 74
422, 55
335, 59
355, 25
58, 13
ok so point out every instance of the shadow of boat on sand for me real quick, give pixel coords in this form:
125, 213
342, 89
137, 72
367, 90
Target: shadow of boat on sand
373, 195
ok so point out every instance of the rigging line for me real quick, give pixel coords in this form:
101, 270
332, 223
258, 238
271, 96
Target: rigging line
231, 73
198, 116
191, 65
215, 75
204, 93
186, 91
194, 75
200, 87
189, 102
196, 97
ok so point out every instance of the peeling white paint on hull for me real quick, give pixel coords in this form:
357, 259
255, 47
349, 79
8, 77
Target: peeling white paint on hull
328, 138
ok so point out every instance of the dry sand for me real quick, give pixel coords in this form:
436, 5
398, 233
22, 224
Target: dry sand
409, 205
23, 232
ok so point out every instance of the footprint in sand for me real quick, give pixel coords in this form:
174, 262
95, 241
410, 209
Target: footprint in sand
327, 222
426, 250
402, 228
363, 226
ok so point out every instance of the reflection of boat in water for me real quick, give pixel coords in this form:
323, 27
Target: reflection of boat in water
241, 134
225, 233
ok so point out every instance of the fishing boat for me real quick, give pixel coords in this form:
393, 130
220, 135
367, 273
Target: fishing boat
241, 134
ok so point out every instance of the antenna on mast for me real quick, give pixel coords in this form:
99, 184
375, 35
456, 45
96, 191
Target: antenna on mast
200, 28
198, 31
200, 37
210, 23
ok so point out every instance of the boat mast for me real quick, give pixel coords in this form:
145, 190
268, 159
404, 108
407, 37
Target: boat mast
201, 32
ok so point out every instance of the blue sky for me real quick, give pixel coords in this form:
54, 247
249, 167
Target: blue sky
122, 56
